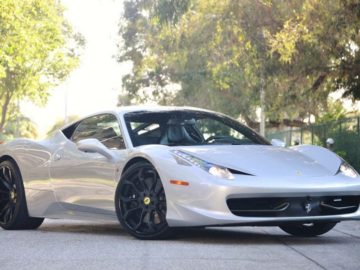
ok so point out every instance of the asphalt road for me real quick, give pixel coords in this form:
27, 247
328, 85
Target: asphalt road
84, 245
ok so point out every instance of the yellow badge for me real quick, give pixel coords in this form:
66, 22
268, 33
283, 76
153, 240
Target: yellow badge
147, 200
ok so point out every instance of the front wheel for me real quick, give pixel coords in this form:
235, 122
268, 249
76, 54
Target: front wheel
141, 202
308, 229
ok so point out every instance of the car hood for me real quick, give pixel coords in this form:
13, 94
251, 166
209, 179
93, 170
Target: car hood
260, 160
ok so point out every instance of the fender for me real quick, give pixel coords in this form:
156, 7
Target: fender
323, 156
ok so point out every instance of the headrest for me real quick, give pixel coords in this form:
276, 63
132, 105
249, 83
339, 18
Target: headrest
175, 133
174, 121
108, 133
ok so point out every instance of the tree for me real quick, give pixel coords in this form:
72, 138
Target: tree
18, 126
220, 53
38, 50
329, 32
60, 123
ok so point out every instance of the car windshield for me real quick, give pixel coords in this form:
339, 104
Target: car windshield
188, 127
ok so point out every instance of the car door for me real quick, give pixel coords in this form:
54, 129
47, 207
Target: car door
86, 182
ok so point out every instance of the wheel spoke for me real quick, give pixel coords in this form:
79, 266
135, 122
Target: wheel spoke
128, 212
154, 181
6, 185
9, 179
141, 174
7, 194
6, 207
7, 215
130, 183
141, 179
133, 207
158, 189
7, 176
4, 196
127, 199
10, 213
150, 222
141, 220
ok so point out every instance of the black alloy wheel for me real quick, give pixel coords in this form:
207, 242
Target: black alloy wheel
8, 195
308, 229
141, 202
13, 208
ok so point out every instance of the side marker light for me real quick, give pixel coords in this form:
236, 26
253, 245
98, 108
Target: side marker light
178, 182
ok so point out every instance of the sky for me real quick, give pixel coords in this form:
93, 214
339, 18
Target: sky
96, 83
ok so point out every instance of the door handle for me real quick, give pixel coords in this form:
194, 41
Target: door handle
57, 157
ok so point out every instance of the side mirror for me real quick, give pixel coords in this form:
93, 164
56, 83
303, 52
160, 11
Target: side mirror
278, 143
94, 146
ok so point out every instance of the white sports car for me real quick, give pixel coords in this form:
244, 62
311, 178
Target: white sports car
156, 169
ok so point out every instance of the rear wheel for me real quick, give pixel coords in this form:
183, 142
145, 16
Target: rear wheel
13, 208
308, 229
141, 202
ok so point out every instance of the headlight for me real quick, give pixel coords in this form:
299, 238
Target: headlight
211, 168
347, 170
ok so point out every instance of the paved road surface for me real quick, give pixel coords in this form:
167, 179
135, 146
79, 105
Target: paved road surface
84, 245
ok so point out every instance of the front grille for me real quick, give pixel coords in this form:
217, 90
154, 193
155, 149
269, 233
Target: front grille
294, 206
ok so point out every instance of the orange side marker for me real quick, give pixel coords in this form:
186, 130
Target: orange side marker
178, 182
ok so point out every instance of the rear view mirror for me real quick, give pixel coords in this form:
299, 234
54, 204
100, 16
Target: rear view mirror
94, 146
278, 143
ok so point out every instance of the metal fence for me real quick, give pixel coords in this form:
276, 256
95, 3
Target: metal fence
345, 132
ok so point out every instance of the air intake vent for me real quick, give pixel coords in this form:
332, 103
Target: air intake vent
294, 206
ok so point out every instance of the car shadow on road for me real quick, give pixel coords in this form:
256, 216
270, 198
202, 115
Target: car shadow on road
248, 235
245, 235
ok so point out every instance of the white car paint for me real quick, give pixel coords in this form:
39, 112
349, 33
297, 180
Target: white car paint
63, 182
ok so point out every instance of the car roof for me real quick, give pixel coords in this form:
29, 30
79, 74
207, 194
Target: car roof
137, 108
155, 108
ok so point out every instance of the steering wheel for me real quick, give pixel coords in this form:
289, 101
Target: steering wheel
213, 138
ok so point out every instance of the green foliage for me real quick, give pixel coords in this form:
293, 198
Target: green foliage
328, 31
218, 54
19, 126
37, 51
334, 112
347, 145
61, 123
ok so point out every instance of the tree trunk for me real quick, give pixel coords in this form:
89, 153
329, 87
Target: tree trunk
4, 110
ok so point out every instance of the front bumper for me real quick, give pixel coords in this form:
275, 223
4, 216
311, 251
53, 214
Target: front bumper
204, 201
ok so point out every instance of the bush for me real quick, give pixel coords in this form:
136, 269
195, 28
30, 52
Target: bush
347, 145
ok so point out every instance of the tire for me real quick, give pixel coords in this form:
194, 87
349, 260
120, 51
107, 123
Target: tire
308, 230
140, 203
13, 208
